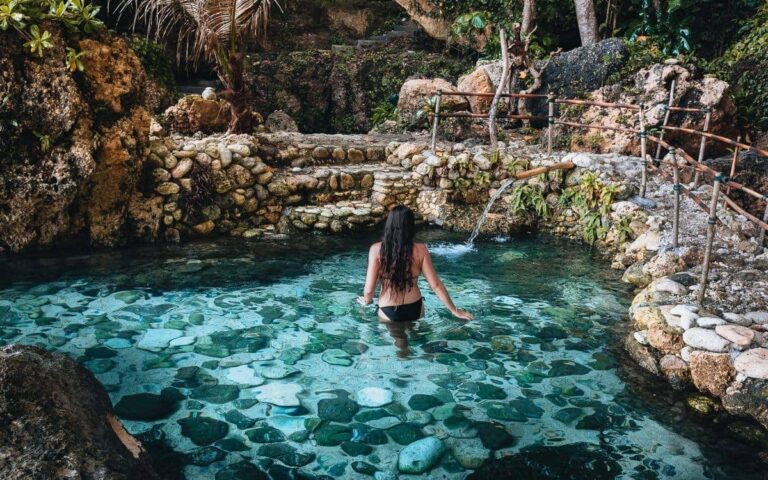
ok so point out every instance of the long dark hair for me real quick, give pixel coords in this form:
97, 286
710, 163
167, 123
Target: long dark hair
397, 250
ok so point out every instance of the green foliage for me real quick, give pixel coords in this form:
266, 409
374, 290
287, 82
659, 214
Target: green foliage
745, 66
24, 16
623, 230
155, 60
382, 112
45, 141
74, 60
526, 199
591, 200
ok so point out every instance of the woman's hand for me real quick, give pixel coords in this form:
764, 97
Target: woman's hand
463, 314
363, 301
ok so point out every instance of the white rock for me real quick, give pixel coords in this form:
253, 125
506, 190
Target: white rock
703, 339
579, 159
157, 339
182, 341
244, 375
760, 317
688, 320
374, 397
641, 337
679, 309
710, 322
738, 319
670, 286
753, 363
280, 394
740, 336
209, 94
420, 456
685, 353
649, 240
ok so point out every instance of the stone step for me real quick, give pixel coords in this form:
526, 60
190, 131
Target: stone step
337, 217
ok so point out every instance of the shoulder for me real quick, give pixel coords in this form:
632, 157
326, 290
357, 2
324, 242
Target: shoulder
421, 249
375, 248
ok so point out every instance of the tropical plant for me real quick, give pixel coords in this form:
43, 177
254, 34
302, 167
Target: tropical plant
669, 24
25, 15
383, 112
213, 31
75, 59
528, 199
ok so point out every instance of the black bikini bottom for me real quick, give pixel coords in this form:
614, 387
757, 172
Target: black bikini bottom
404, 313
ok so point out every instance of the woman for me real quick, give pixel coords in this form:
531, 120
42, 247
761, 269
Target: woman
397, 262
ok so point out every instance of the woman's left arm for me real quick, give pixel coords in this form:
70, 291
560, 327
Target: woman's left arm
371, 277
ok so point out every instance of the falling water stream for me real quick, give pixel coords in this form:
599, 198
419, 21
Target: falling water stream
507, 183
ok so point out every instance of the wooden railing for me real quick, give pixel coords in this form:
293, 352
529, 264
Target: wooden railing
719, 181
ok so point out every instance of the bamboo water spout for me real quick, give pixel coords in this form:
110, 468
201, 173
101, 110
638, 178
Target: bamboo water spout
507, 183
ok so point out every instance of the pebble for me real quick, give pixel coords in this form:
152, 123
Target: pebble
157, 339
704, 339
760, 317
641, 337
710, 322
740, 336
374, 397
420, 456
670, 286
280, 394
753, 363
680, 309
738, 319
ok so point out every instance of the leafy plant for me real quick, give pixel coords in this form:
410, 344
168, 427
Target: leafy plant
45, 141
623, 230
213, 31
526, 199
383, 112
38, 41
591, 200
75, 59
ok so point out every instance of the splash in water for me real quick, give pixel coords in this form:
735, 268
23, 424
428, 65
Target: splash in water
507, 183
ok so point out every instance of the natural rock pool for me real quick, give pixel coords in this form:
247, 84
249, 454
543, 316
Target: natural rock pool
228, 358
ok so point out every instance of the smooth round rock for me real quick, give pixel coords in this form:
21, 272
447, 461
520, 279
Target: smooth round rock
280, 394
704, 339
740, 336
420, 456
753, 363
374, 397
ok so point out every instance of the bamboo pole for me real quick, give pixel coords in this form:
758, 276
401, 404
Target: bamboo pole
539, 170
747, 148
703, 146
761, 238
732, 173
676, 216
643, 152
550, 121
667, 113
436, 121
712, 223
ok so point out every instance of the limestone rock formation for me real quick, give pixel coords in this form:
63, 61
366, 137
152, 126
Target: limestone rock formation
413, 93
58, 422
194, 113
72, 151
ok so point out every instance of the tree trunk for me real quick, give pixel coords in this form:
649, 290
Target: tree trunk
502, 85
241, 114
587, 20
529, 17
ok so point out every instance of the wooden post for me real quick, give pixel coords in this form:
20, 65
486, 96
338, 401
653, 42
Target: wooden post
667, 113
712, 223
436, 121
643, 152
676, 188
550, 121
761, 237
703, 146
734, 160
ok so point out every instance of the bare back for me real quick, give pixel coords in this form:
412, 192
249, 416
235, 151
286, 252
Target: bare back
421, 262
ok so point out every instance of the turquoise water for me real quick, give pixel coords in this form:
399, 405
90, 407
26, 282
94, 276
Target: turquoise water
234, 360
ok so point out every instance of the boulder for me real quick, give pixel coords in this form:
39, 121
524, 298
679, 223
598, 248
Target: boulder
676, 371
477, 82
711, 372
193, 113
747, 398
420, 456
413, 93
641, 354
279, 121
753, 363
58, 422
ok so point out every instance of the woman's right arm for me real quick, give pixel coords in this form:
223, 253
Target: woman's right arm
437, 286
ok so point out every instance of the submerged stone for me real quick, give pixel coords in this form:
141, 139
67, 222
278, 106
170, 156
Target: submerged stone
216, 393
238, 419
146, 407
563, 368
355, 449
203, 430
242, 470
265, 435
374, 397
204, 456
331, 435
157, 339
494, 436
405, 433
280, 394
420, 456
340, 409
285, 453
336, 356
422, 402
232, 445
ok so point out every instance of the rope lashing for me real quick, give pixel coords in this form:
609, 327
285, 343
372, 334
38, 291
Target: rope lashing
722, 178
678, 187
